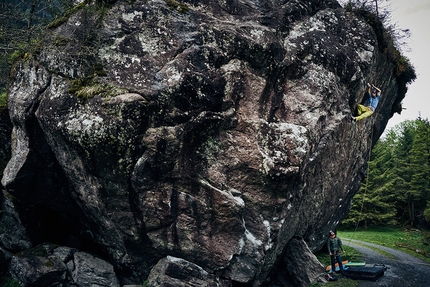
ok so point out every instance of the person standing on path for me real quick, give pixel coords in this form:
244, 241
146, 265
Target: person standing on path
334, 246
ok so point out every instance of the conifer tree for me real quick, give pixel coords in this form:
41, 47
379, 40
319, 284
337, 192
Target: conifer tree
374, 203
420, 165
397, 187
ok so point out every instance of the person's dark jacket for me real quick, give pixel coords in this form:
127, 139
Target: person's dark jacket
334, 244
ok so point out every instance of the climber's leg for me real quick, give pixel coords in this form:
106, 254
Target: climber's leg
363, 112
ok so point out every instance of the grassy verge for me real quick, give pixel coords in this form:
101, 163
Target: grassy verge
412, 241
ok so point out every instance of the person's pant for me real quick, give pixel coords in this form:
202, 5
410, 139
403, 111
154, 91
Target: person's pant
363, 112
333, 259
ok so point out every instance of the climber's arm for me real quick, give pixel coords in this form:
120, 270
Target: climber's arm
377, 89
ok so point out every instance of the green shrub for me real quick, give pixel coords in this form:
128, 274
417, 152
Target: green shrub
175, 5
16, 55
89, 88
7, 281
3, 99
61, 20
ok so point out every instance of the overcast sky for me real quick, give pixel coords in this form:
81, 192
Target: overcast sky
415, 16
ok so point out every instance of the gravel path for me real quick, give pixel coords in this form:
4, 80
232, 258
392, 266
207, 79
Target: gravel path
403, 269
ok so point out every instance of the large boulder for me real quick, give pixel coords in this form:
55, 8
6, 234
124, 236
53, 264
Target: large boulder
213, 132
48, 265
171, 271
89, 271
302, 265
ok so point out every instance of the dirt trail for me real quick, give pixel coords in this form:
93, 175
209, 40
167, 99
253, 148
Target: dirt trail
403, 270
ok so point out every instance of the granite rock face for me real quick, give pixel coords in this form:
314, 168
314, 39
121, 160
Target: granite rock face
205, 135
